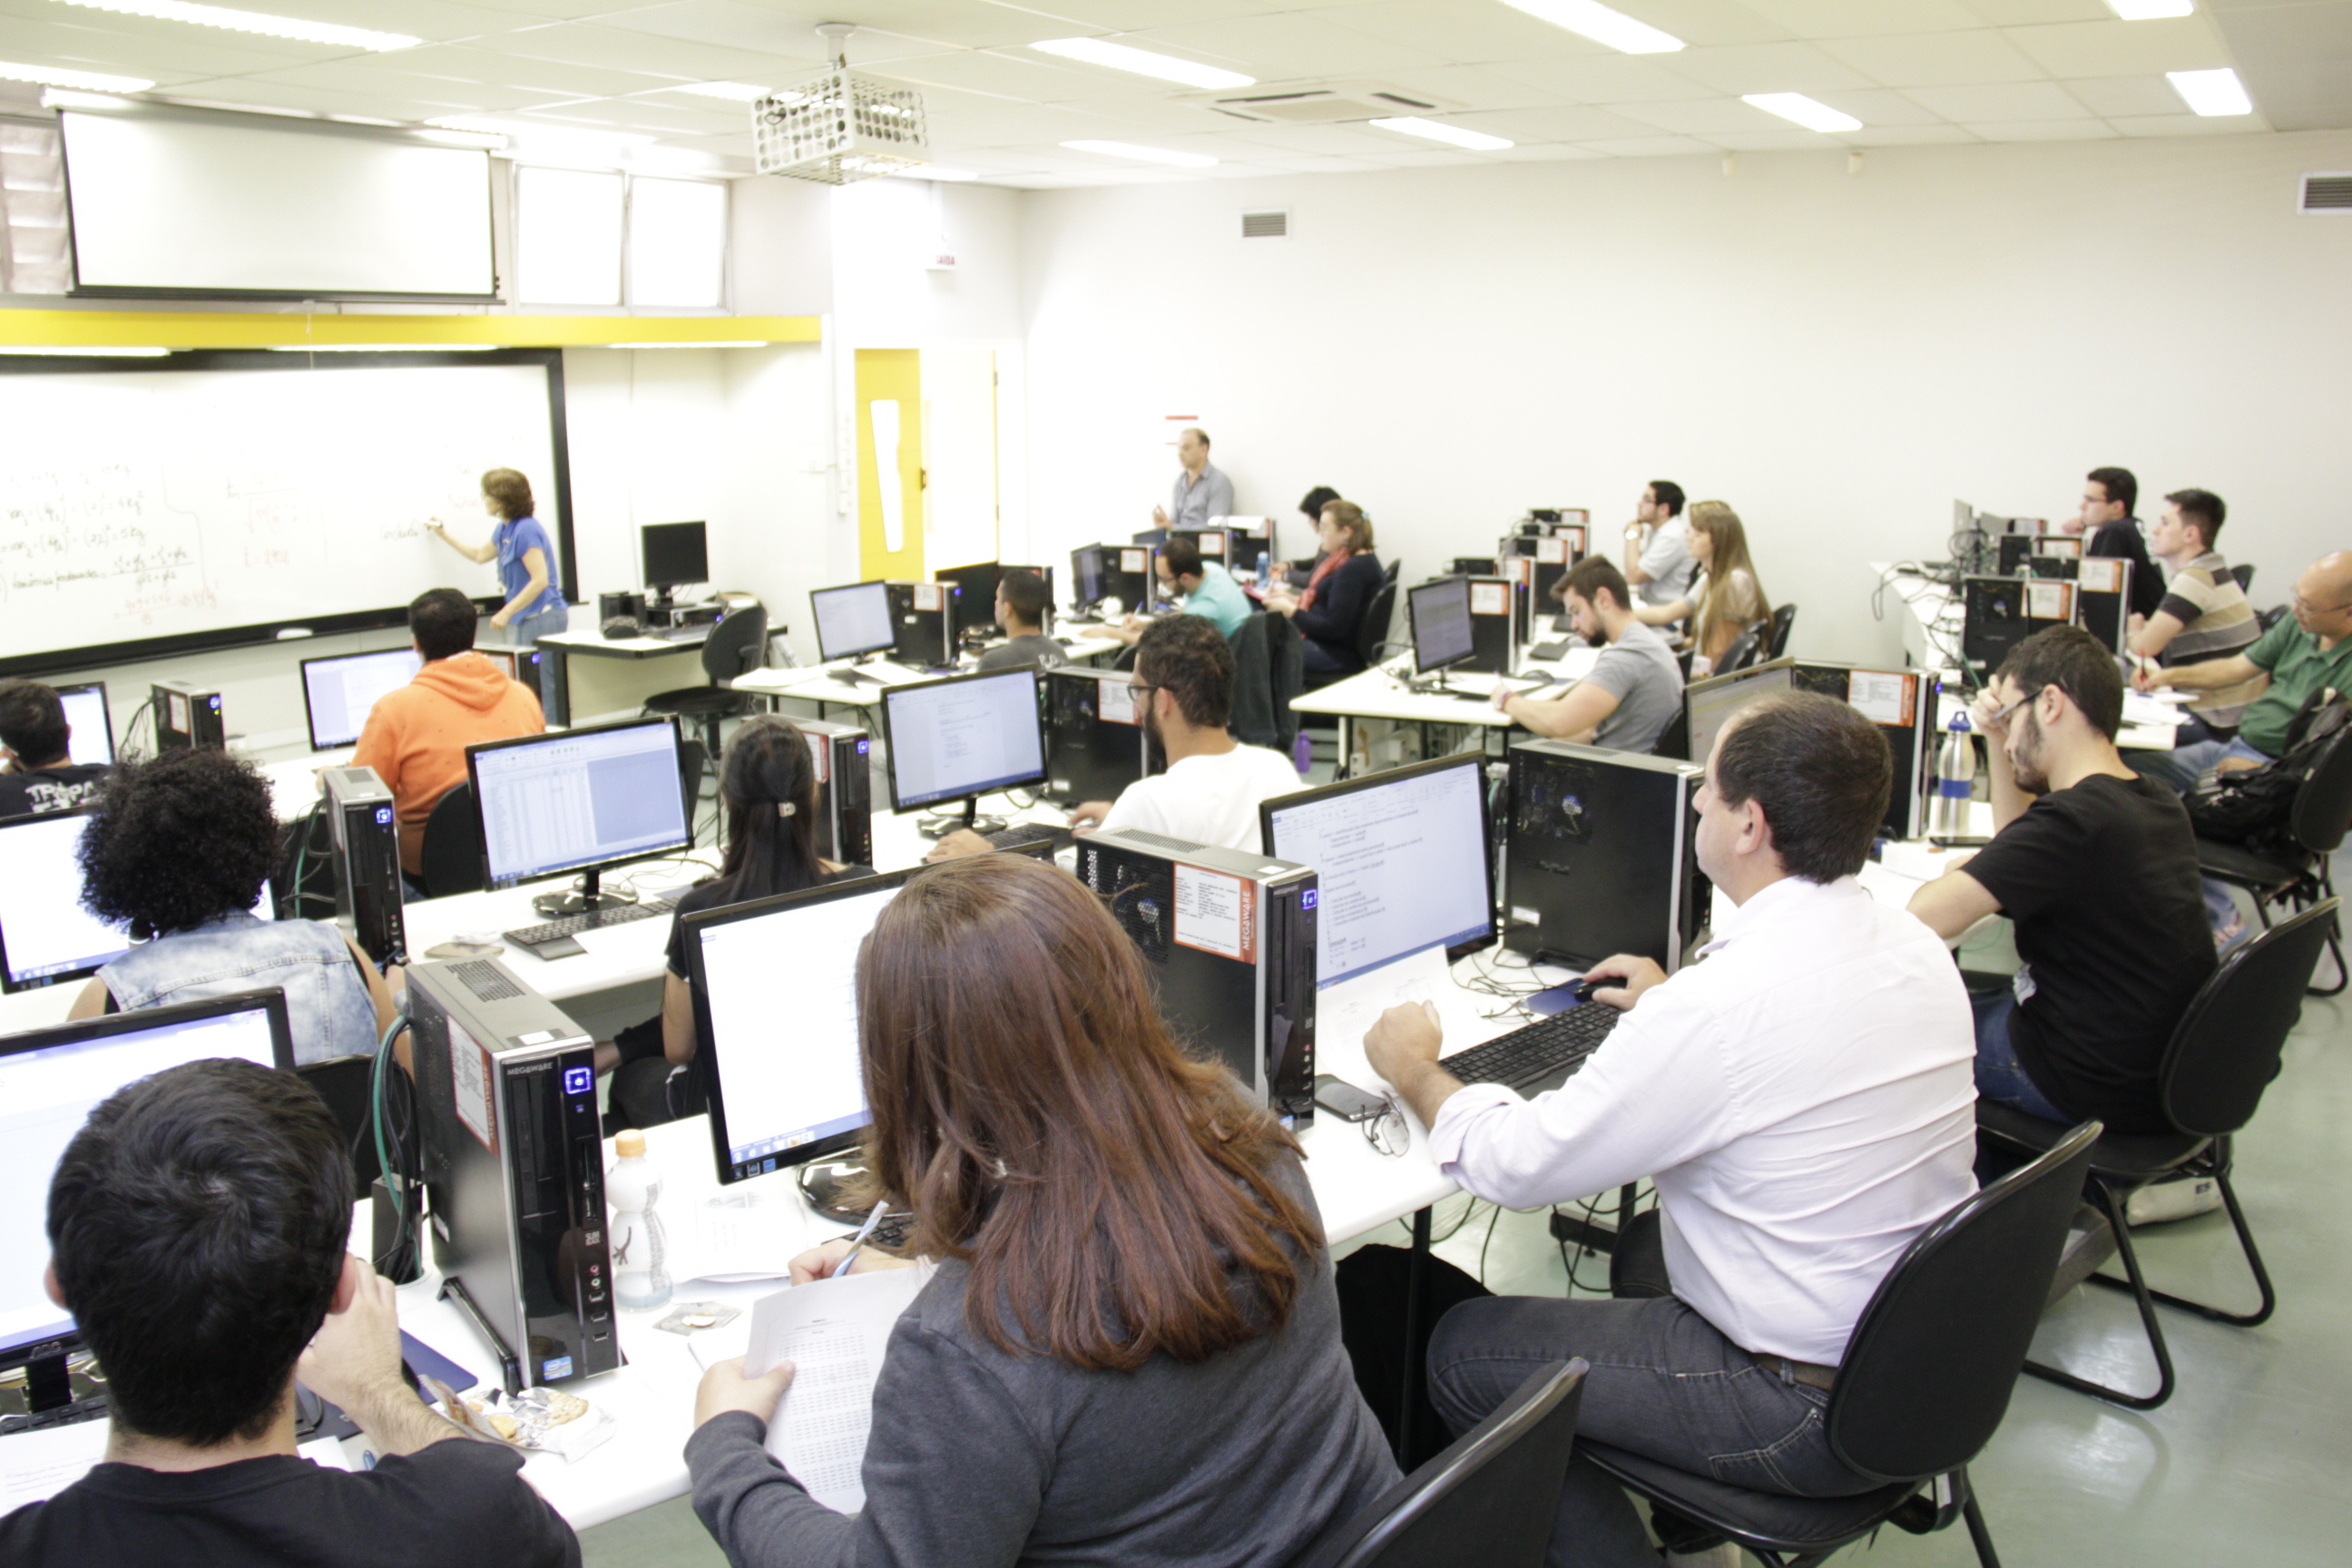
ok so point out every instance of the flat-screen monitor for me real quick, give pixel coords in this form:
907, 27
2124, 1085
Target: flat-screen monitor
46, 938
963, 737
1404, 860
336, 693
852, 619
92, 741
1442, 631
674, 554
578, 800
51, 1079
775, 1005
1711, 703
978, 581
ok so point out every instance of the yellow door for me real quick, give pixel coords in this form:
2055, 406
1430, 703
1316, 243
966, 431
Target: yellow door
891, 465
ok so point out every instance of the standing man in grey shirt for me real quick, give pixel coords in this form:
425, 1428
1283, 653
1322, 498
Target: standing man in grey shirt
1657, 546
1635, 689
1201, 492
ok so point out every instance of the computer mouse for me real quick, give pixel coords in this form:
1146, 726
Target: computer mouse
1583, 989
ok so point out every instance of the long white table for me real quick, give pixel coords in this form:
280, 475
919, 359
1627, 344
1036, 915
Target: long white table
1384, 692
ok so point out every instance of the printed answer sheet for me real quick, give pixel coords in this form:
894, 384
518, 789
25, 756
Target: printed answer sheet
834, 1332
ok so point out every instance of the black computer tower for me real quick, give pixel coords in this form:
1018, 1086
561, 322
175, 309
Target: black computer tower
844, 790
514, 1169
1126, 575
1217, 544
923, 615
366, 836
187, 715
1230, 941
1998, 613
2103, 599
1601, 856
1474, 566
1494, 628
1902, 702
1094, 743
2020, 553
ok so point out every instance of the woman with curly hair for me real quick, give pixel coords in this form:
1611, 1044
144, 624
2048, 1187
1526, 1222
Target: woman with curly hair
179, 851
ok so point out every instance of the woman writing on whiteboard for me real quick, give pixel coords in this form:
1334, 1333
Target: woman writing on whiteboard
534, 605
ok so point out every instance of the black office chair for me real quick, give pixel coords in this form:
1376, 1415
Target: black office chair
1926, 1379
2301, 874
343, 1083
736, 646
691, 760
2220, 1058
1674, 740
1784, 619
1489, 1499
451, 858
1745, 649
1395, 568
2244, 573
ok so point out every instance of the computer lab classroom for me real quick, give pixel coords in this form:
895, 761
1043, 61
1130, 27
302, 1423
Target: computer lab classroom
1879, 275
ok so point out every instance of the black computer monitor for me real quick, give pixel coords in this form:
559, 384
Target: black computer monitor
578, 800
853, 621
775, 1010
92, 741
674, 555
338, 692
1709, 704
50, 1080
963, 737
1086, 573
46, 938
977, 582
1152, 537
1405, 858
1439, 613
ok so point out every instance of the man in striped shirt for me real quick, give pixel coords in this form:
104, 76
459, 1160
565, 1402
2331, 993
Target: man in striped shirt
2204, 615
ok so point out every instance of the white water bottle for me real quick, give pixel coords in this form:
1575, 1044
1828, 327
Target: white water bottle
1955, 781
640, 1263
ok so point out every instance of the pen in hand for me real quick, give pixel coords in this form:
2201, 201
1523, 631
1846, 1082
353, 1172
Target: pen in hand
857, 1242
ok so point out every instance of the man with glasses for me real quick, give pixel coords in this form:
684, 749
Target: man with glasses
2297, 657
2097, 866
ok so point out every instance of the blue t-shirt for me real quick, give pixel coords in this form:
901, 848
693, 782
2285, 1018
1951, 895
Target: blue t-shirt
518, 537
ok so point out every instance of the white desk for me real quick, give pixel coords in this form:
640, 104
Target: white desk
597, 675
1383, 692
820, 684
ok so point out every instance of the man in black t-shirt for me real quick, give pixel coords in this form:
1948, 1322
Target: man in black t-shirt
2108, 527
36, 745
196, 1227
2097, 866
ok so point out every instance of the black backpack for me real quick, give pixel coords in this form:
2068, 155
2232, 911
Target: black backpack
2255, 806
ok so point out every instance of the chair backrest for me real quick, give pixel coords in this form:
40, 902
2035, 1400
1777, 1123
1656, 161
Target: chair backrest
1927, 1375
692, 758
1374, 629
343, 1082
451, 859
2244, 573
2322, 812
1674, 740
1395, 568
737, 644
1745, 649
1784, 620
2225, 1050
1489, 1499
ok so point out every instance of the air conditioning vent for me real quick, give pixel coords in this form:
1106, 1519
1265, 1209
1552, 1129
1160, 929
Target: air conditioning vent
1324, 103
1408, 102
2329, 192
1267, 225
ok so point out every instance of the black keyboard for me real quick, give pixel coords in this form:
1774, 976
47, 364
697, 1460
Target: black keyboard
589, 919
1022, 833
1549, 651
1535, 1052
93, 1408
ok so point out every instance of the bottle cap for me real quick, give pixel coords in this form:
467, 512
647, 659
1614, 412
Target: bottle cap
630, 1145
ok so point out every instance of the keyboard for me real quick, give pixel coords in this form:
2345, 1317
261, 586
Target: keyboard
590, 919
1547, 652
1022, 833
93, 1408
1533, 1055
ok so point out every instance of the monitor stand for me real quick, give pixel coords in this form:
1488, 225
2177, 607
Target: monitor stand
589, 898
823, 1187
850, 675
940, 827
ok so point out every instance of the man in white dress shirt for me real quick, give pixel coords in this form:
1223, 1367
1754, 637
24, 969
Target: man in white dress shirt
1803, 1100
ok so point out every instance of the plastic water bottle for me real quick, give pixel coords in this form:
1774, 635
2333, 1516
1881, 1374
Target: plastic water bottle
1955, 781
640, 1261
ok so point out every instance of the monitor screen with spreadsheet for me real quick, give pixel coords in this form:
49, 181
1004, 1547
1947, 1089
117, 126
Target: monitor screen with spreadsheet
92, 738
775, 1001
964, 736
339, 692
1403, 858
46, 938
1440, 616
1711, 703
852, 619
50, 1080
578, 798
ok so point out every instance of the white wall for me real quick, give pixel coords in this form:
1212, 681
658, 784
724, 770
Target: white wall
1837, 355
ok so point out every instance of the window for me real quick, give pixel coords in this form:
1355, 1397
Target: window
34, 256
568, 237
677, 242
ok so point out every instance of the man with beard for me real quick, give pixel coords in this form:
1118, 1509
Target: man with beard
1635, 687
1210, 789
2097, 866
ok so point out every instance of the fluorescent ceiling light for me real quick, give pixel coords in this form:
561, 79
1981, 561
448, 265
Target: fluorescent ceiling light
2147, 10
539, 130
1602, 26
81, 351
487, 141
1143, 155
1810, 113
383, 348
65, 98
252, 22
728, 343
739, 92
2214, 93
51, 76
1438, 130
933, 172
1142, 62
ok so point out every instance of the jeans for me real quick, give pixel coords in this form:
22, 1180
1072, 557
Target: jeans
526, 632
2183, 765
2000, 1078
1665, 1384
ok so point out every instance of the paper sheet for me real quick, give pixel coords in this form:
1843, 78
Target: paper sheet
35, 1466
1346, 1011
741, 1233
834, 1332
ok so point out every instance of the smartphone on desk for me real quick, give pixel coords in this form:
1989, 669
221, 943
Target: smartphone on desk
1345, 1100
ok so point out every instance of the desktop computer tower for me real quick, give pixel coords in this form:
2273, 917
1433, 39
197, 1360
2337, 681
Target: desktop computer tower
1494, 629
844, 790
1602, 856
1230, 941
514, 1169
186, 715
2103, 600
366, 836
923, 615
1094, 743
1998, 613
1902, 702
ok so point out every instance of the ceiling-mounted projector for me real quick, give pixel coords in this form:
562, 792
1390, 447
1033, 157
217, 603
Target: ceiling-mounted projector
841, 126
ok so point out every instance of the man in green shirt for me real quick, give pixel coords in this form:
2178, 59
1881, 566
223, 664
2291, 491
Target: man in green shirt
2297, 657
1209, 590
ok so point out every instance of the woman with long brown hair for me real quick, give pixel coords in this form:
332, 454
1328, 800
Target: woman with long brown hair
1130, 1350
1330, 611
1726, 598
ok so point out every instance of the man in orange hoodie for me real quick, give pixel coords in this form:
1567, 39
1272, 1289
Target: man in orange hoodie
415, 738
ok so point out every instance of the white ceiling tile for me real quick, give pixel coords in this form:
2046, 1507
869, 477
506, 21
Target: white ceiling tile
1867, 18
141, 50
1466, 29
1706, 21
2190, 125
1738, 69
1145, 111
1651, 147
1545, 152
2109, 96
2008, 100
1029, 78
1794, 139
1578, 124
2042, 130
2026, 13
363, 75
1297, 47
1937, 59
616, 50
433, 20
1133, 16
2117, 47
649, 118
1905, 136
1327, 140
959, 23
726, 24
461, 62
1881, 106
1703, 117
1604, 78
1467, 87
267, 95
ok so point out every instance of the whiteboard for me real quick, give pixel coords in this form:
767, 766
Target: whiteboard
146, 512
